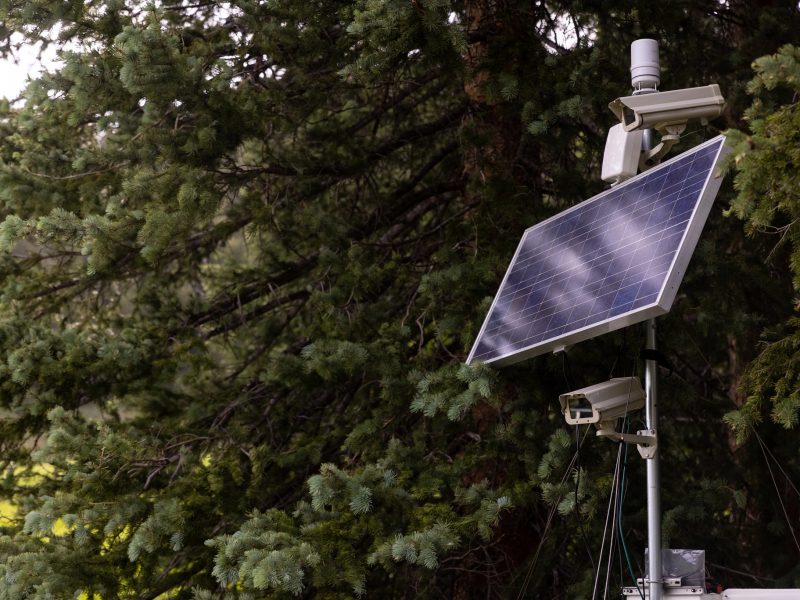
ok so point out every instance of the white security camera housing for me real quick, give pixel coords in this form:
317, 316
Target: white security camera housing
661, 110
602, 402
621, 156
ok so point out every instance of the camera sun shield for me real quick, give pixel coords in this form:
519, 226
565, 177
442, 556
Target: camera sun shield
662, 109
602, 402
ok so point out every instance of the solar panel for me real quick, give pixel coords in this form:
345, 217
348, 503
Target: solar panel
611, 261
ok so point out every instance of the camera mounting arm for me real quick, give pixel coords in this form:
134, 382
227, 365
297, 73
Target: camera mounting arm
670, 137
646, 440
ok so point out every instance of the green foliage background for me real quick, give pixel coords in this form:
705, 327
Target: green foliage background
246, 249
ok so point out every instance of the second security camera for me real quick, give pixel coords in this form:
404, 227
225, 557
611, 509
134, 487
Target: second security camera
602, 402
660, 110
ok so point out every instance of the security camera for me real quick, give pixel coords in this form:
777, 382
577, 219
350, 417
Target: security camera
665, 110
602, 402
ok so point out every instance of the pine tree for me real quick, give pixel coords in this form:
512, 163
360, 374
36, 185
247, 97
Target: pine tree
767, 200
247, 246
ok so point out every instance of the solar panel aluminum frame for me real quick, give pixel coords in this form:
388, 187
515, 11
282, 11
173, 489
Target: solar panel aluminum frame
672, 280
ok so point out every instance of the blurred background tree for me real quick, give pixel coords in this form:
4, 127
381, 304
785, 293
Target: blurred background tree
248, 245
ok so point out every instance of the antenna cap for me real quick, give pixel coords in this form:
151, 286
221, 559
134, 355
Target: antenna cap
645, 67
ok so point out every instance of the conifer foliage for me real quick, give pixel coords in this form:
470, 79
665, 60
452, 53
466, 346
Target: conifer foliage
769, 202
246, 247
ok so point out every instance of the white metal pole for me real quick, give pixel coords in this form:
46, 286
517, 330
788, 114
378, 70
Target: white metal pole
645, 78
655, 583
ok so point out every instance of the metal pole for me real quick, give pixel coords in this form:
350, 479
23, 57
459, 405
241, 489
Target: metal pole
645, 78
653, 477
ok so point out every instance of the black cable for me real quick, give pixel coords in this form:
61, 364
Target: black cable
661, 359
626, 425
581, 529
619, 541
565, 369
623, 488
620, 351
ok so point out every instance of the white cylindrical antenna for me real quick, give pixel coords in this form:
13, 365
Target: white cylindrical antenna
645, 68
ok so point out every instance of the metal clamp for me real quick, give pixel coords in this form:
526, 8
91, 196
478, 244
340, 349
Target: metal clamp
647, 449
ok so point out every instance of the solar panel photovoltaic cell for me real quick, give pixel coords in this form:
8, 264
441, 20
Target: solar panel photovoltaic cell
611, 261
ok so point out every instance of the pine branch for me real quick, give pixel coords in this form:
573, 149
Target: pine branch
251, 292
381, 152
251, 315
396, 100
